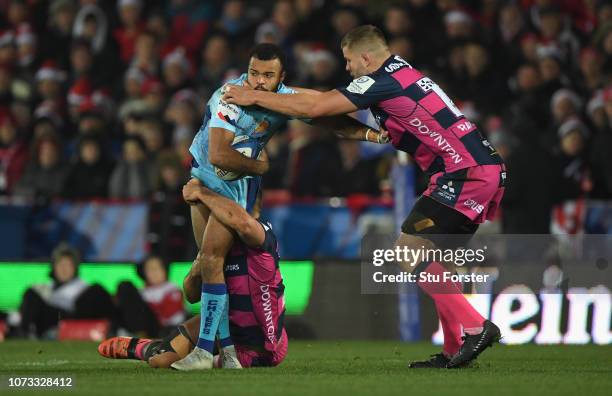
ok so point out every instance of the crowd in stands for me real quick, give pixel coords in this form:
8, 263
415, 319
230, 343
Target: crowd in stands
101, 99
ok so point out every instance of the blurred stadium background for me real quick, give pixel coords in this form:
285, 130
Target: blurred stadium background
99, 101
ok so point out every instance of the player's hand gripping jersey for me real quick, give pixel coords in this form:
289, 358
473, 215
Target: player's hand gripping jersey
256, 302
424, 122
255, 122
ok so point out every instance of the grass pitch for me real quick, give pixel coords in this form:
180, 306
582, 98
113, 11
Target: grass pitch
321, 368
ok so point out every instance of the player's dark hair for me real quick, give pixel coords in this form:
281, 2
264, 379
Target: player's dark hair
266, 51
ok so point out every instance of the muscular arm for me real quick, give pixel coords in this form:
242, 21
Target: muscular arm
228, 212
304, 104
347, 127
222, 155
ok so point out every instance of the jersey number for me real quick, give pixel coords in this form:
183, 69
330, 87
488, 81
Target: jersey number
427, 85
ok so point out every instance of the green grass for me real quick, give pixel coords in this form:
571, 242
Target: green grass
324, 368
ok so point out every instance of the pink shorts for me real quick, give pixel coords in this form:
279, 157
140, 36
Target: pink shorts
251, 358
476, 192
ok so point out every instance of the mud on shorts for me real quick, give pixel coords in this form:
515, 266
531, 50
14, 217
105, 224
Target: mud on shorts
456, 203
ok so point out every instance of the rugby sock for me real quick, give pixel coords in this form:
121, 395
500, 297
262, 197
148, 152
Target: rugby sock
214, 298
449, 297
451, 330
141, 345
224, 333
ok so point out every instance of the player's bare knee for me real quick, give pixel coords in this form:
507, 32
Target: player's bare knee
212, 266
412, 242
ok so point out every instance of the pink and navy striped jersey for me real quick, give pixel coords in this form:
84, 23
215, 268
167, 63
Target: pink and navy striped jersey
421, 119
256, 293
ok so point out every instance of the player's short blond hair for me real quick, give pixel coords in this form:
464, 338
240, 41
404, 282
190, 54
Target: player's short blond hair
365, 37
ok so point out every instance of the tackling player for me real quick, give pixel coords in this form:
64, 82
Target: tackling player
466, 174
255, 290
212, 147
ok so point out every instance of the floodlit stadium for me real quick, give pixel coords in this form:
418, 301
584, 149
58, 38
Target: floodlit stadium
306, 196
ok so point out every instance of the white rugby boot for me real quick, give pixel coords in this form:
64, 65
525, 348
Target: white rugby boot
198, 359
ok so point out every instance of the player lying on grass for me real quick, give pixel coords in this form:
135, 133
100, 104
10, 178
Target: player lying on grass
256, 302
213, 159
467, 175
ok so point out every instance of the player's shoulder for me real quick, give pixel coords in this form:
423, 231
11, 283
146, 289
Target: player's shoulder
382, 79
227, 110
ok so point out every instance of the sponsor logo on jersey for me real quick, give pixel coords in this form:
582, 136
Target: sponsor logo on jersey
399, 63
360, 85
447, 191
228, 112
466, 126
232, 267
475, 206
437, 138
262, 127
426, 84
267, 308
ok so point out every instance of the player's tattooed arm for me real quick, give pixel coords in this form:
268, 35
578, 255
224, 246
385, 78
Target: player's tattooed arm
228, 212
299, 105
222, 155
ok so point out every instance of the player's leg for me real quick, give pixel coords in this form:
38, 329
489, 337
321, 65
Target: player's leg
199, 218
216, 243
180, 345
431, 220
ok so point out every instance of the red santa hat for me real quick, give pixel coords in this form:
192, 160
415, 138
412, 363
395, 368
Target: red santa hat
50, 71
185, 96
79, 91
47, 111
179, 57
25, 36
152, 85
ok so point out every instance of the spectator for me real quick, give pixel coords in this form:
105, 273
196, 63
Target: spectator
13, 152
313, 164
131, 27
155, 308
153, 95
599, 155
575, 173
131, 178
88, 176
169, 217
65, 297
91, 24
81, 62
50, 79
177, 71
45, 174
216, 66
358, 175
146, 54
56, 42
183, 112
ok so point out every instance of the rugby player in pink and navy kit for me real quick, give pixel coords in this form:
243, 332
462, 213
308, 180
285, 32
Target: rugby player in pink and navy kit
255, 288
467, 175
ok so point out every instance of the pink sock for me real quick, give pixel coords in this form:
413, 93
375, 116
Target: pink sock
452, 332
449, 298
140, 346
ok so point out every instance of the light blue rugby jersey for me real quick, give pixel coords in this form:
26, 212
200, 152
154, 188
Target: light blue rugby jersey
253, 121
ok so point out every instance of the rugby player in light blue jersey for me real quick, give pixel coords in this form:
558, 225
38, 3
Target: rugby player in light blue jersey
214, 156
